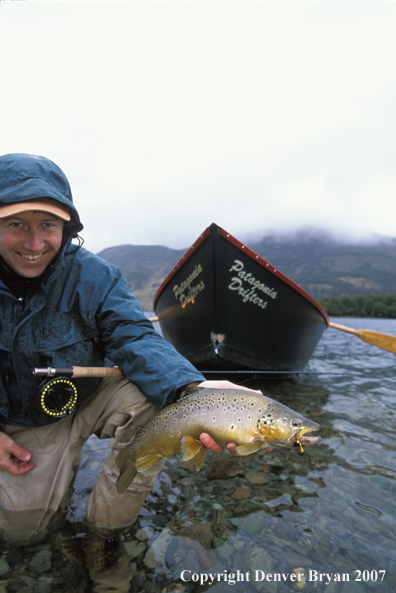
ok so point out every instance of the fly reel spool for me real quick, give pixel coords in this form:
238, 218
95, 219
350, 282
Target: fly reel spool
57, 397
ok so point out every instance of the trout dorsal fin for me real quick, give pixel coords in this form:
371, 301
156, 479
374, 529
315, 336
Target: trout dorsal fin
249, 448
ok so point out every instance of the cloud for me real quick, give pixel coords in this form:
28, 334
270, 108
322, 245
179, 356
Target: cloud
167, 116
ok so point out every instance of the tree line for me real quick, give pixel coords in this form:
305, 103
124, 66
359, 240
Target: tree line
360, 305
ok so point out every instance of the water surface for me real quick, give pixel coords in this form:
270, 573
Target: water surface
326, 515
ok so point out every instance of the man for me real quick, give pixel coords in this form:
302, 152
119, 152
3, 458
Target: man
62, 306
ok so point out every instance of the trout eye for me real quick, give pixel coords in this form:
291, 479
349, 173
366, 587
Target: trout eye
296, 423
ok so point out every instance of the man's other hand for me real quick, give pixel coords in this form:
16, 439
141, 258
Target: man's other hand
14, 459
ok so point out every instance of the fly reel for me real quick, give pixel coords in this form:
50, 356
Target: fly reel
57, 397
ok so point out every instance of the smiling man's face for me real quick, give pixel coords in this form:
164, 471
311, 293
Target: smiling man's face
29, 241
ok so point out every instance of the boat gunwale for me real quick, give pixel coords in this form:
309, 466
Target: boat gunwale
251, 254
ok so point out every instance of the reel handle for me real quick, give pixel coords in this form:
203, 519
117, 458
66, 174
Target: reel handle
58, 395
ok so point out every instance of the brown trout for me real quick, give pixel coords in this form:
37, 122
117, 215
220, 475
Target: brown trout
249, 419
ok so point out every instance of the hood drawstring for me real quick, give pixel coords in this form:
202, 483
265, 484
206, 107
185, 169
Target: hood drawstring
76, 247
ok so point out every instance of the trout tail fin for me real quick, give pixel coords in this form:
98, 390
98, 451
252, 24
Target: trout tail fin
127, 473
127, 470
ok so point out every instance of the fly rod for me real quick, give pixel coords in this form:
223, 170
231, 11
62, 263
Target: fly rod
77, 372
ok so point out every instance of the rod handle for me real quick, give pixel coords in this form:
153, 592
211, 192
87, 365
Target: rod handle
96, 372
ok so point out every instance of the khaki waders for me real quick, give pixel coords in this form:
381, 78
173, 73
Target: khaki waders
29, 502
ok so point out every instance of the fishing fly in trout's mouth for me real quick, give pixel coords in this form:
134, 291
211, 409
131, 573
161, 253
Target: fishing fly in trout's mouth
298, 438
286, 430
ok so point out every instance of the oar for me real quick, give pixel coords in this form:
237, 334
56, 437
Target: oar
384, 341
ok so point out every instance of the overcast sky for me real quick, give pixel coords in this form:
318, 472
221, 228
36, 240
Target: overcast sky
167, 116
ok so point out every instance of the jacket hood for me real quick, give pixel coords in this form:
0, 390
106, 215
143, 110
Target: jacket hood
28, 177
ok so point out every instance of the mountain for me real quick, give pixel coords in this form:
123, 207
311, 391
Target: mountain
144, 267
322, 266
325, 267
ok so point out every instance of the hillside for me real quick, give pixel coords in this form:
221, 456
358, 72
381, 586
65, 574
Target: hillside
325, 267
322, 266
144, 267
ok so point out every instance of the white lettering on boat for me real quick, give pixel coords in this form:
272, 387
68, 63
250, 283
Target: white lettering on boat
186, 292
246, 286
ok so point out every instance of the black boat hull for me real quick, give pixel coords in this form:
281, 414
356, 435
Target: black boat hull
226, 309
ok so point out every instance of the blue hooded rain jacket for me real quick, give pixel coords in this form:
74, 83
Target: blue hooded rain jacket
79, 312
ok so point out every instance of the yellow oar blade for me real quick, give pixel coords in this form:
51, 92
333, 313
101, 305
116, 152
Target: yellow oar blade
383, 341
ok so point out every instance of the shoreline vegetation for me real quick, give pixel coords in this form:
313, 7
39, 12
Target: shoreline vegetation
361, 305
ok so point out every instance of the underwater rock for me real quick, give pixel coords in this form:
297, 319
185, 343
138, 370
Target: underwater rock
143, 534
241, 492
259, 560
41, 562
256, 478
138, 581
134, 549
174, 588
224, 468
191, 562
247, 507
188, 466
4, 566
254, 523
225, 551
301, 582
156, 553
294, 559
350, 587
201, 533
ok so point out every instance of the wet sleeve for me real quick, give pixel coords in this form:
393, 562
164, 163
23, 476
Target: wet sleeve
131, 342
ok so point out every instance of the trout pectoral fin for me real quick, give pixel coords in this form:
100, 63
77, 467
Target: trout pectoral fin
249, 448
146, 461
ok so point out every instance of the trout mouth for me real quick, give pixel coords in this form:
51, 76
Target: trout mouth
296, 439
306, 440
300, 438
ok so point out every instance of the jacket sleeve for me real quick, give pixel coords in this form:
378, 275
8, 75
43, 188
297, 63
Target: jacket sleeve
130, 342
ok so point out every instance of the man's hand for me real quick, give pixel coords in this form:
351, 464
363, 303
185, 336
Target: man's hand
214, 446
14, 459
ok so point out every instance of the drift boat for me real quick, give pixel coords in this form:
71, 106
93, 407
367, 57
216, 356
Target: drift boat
226, 309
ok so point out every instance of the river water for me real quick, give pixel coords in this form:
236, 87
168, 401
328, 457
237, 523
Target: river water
322, 520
